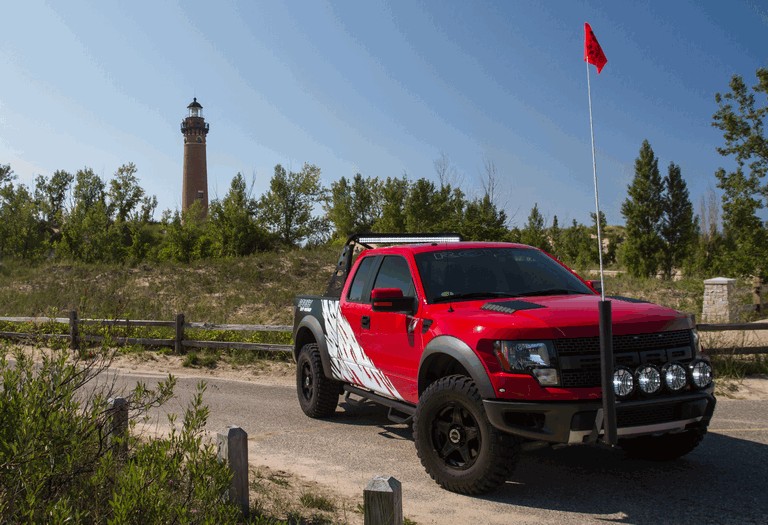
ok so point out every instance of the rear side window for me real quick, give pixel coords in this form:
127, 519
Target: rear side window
357, 287
394, 273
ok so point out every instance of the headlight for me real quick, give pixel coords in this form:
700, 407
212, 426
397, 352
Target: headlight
674, 376
623, 382
534, 357
701, 373
648, 379
696, 342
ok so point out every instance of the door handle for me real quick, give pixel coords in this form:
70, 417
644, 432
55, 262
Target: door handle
365, 322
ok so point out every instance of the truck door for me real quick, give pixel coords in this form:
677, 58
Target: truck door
393, 339
348, 337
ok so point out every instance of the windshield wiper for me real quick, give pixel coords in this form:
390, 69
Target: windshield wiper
551, 291
472, 295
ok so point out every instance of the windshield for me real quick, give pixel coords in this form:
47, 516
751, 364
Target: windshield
494, 272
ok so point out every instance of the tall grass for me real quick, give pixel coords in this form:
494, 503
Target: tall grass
258, 289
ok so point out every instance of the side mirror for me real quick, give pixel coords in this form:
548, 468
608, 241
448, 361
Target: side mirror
596, 285
392, 300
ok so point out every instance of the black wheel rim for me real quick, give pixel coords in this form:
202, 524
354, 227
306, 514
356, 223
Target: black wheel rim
307, 382
456, 436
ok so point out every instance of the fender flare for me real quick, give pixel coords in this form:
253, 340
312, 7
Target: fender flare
311, 326
465, 356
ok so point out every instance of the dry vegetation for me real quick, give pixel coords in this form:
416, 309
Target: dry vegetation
258, 289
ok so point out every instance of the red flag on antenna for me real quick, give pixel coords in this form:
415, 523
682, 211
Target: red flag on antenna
593, 53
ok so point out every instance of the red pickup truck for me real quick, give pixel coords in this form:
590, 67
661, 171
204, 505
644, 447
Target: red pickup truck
487, 348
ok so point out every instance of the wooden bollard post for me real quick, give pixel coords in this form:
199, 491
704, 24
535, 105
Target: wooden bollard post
233, 450
179, 337
383, 501
118, 427
74, 334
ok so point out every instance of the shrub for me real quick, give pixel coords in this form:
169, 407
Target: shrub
59, 460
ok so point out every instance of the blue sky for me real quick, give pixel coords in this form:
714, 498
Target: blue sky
379, 88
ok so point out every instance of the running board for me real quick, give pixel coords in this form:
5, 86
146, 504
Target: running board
392, 404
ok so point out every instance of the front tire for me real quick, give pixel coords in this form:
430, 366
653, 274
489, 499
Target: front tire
457, 445
318, 395
665, 447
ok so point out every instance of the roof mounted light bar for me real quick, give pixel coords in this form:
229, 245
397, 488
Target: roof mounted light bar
408, 238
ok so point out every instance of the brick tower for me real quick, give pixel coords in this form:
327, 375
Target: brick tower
195, 186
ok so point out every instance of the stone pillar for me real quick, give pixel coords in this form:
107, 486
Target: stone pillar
719, 301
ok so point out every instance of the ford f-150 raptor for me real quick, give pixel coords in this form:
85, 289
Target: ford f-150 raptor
489, 347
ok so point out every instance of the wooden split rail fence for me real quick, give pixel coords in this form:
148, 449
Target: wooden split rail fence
179, 342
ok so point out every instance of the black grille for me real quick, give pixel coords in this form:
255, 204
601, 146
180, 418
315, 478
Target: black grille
580, 378
624, 343
646, 415
580, 357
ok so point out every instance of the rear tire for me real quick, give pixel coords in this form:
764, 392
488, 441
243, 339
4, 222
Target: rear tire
665, 447
318, 395
457, 445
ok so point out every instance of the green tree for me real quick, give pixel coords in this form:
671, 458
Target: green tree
577, 246
643, 211
125, 193
556, 237
535, 232
432, 209
234, 227
354, 207
483, 221
50, 195
186, 235
394, 192
21, 234
287, 208
87, 234
421, 214
745, 190
679, 226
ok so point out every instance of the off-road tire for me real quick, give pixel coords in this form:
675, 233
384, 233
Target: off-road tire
665, 447
318, 395
457, 445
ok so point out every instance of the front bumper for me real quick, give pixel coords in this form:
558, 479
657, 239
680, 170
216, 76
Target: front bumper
574, 422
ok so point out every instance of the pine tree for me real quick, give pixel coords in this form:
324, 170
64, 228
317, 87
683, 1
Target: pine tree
535, 233
679, 226
745, 190
643, 211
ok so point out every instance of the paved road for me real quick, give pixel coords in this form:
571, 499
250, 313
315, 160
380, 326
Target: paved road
725, 480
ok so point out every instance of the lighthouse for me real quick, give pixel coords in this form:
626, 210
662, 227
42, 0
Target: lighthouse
195, 185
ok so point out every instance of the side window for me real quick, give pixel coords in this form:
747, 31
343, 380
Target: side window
358, 283
394, 273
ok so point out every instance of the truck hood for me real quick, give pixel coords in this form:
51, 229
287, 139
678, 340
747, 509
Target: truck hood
554, 317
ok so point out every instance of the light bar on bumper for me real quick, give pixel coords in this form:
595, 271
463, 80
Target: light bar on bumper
534, 357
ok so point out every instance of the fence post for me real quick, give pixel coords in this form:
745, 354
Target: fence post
757, 288
383, 501
74, 334
118, 427
232, 447
177, 345
719, 304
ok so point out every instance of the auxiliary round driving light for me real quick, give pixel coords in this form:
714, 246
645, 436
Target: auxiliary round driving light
674, 376
701, 374
648, 379
623, 382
